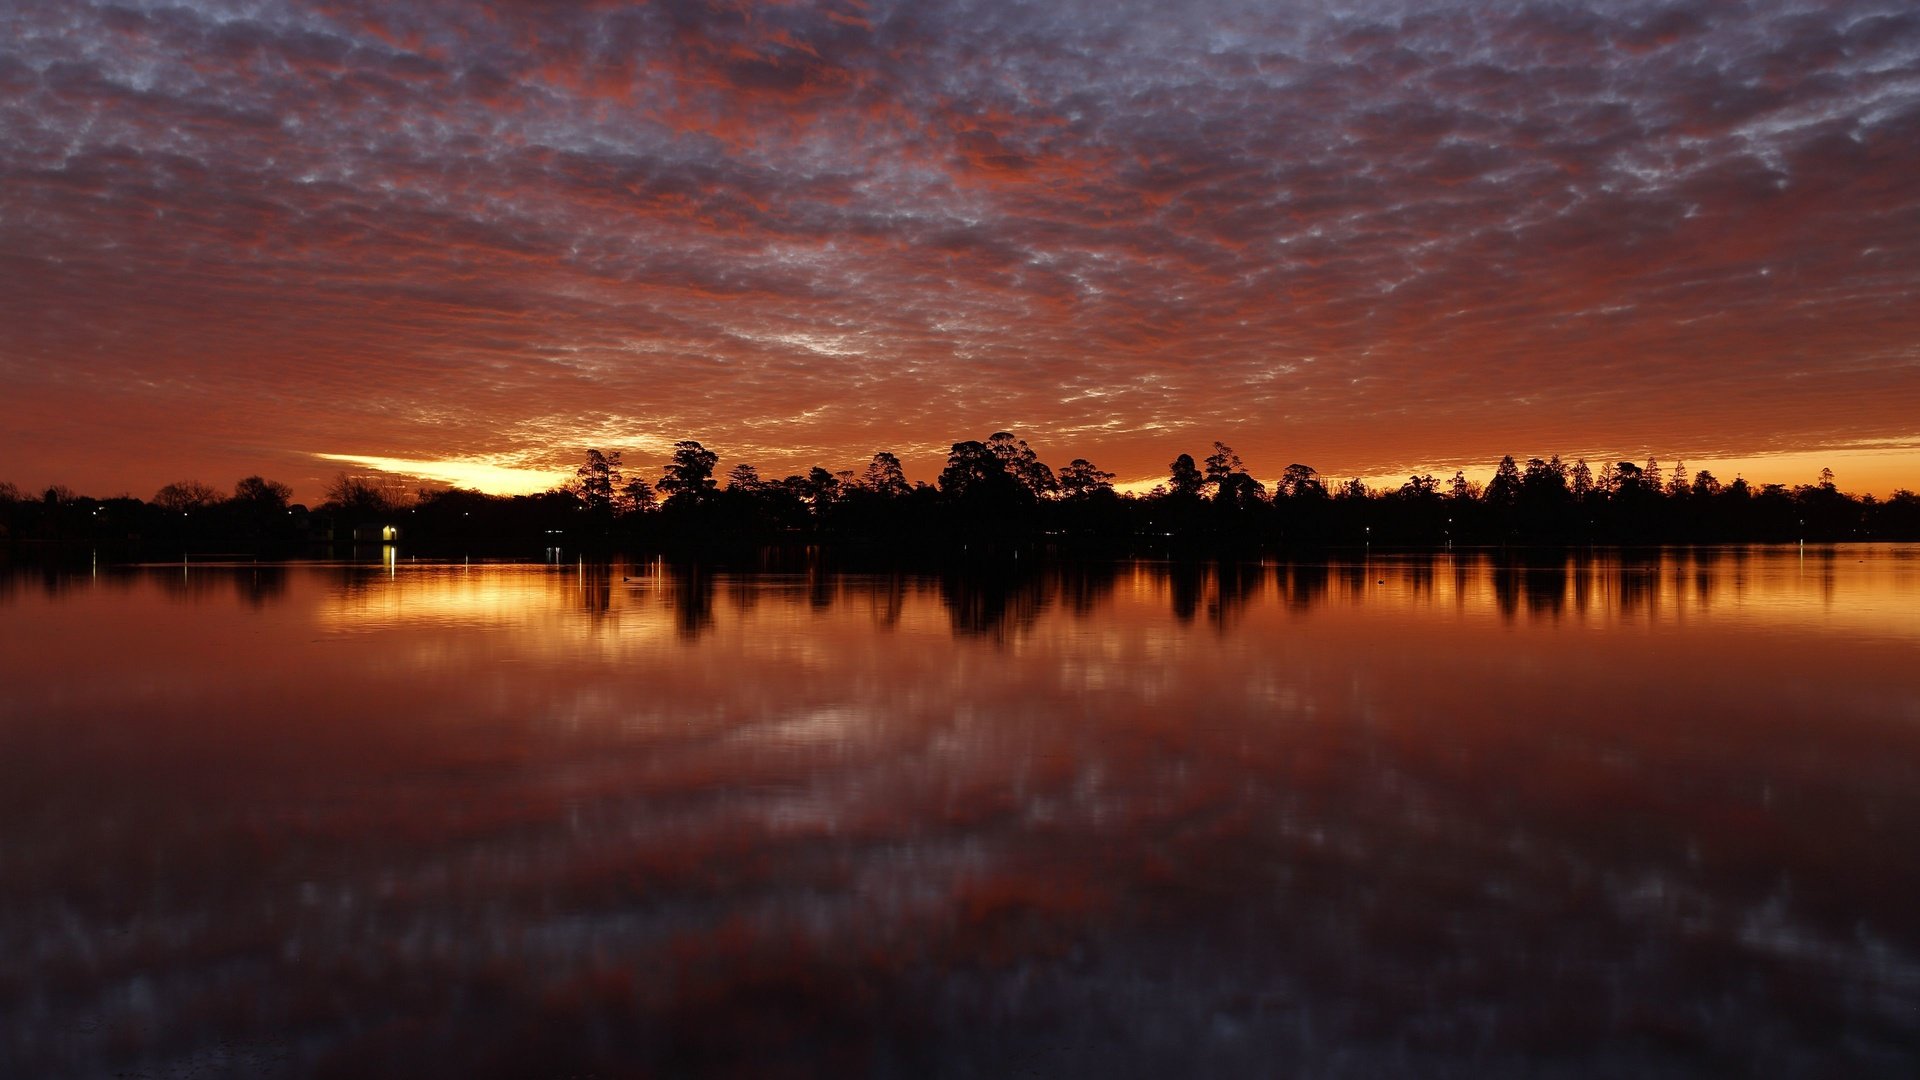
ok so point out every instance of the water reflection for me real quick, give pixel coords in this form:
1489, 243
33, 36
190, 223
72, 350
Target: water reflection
1463, 814
1792, 584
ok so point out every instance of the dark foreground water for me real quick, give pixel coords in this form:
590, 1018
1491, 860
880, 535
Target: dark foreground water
1423, 816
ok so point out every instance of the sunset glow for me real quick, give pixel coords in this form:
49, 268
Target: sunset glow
480, 475
460, 243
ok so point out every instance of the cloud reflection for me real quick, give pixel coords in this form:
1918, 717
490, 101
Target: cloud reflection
496, 819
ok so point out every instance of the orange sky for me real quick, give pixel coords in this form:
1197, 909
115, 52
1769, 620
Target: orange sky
295, 239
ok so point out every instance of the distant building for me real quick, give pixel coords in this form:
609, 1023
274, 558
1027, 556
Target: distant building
376, 534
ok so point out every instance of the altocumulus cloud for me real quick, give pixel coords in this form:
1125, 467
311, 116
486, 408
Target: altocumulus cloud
1368, 236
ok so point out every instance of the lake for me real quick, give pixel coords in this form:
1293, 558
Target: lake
1441, 815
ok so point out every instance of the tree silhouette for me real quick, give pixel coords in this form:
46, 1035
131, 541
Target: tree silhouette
689, 474
1222, 464
1421, 487
262, 494
1185, 480
884, 476
186, 495
744, 477
598, 479
637, 497
1081, 480
1022, 463
1231, 484
819, 489
1302, 482
1608, 481
1581, 477
1544, 483
995, 501
1677, 485
1504, 488
1460, 489
973, 470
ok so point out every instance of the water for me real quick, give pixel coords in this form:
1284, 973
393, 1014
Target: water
1426, 816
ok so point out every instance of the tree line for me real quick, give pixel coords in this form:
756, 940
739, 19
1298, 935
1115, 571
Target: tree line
994, 496
996, 493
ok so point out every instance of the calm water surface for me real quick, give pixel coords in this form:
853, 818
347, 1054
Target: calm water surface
1425, 816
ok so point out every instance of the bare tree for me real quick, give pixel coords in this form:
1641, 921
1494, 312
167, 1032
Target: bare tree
185, 495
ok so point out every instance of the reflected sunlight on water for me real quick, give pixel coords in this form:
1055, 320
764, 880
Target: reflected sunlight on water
1434, 815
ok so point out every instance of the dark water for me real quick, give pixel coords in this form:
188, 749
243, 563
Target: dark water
1427, 816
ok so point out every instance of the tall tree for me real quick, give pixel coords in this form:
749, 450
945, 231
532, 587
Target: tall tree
1081, 480
1582, 477
689, 473
821, 488
972, 469
1544, 482
1022, 463
1628, 479
1460, 489
597, 481
1302, 482
884, 476
1228, 477
637, 497
1221, 464
744, 477
1504, 488
1185, 479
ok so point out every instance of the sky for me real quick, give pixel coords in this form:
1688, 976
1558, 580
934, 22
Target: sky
464, 242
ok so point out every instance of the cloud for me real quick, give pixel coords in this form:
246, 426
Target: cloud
480, 475
1357, 236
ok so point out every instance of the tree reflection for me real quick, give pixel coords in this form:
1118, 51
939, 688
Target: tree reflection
1354, 579
1417, 572
689, 594
1706, 578
1235, 584
796, 831
992, 604
1186, 582
595, 580
262, 586
1303, 584
1639, 576
743, 593
822, 587
1083, 587
1546, 589
1507, 579
888, 595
